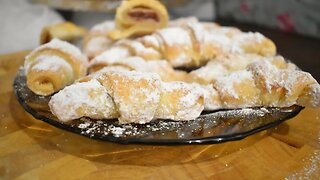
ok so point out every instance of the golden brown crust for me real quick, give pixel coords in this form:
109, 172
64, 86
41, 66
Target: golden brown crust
66, 31
138, 17
53, 66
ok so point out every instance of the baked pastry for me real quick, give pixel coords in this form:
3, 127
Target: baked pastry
132, 76
53, 66
194, 44
138, 98
66, 31
179, 101
226, 64
284, 87
115, 53
138, 17
135, 94
212, 100
97, 40
89, 99
138, 49
263, 84
237, 90
161, 67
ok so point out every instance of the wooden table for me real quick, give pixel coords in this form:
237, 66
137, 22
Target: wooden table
31, 149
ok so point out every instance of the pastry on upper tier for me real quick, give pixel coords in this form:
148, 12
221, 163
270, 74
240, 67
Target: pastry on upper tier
192, 45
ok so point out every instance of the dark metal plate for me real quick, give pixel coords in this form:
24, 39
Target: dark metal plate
209, 128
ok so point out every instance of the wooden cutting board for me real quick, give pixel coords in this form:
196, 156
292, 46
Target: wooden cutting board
31, 149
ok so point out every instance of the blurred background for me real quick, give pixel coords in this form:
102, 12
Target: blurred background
294, 25
22, 20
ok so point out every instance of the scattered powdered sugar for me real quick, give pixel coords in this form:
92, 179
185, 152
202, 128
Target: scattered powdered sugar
47, 63
243, 112
311, 170
84, 125
117, 131
105, 128
183, 129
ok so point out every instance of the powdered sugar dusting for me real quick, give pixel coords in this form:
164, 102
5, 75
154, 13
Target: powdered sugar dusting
47, 63
268, 71
210, 72
83, 99
192, 106
314, 93
136, 95
64, 47
183, 21
211, 97
222, 41
112, 54
252, 37
175, 36
310, 171
198, 31
139, 48
103, 27
151, 40
183, 101
182, 129
97, 45
180, 60
227, 83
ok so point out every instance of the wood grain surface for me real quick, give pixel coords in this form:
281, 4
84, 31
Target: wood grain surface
32, 149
